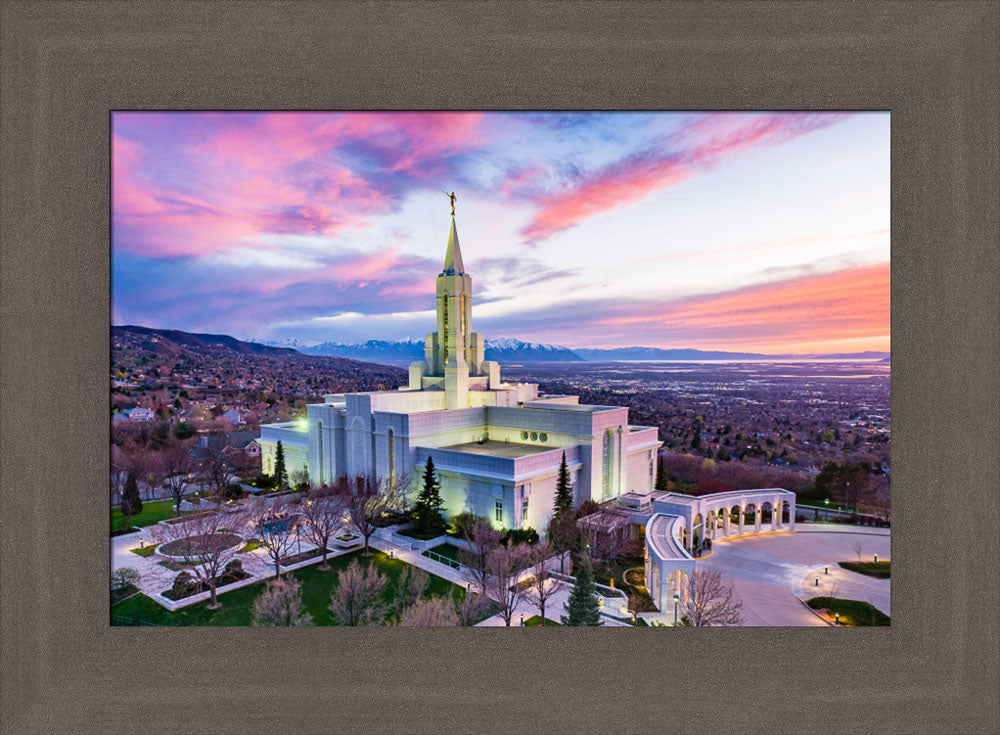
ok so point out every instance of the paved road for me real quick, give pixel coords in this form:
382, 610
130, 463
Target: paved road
767, 572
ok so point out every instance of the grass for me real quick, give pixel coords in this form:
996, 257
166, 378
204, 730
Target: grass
852, 612
410, 533
449, 551
251, 545
237, 605
879, 569
535, 621
146, 551
153, 511
122, 593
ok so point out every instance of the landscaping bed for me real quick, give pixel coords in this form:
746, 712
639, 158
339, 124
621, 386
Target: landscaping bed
535, 621
449, 551
193, 586
317, 584
410, 533
145, 551
123, 593
287, 561
206, 543
852, 612
878, 569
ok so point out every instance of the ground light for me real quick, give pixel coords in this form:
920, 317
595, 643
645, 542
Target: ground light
522, 619
876, 558
676, 600
836, 618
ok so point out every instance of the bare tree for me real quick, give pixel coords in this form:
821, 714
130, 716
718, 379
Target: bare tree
471, 607
206, 542
503, 565
543, 585
216, 469
858, 548
177, 467
411, 586
434, 612
368, 500
711, 601
274, 525
322, 514
280, 604
483, 539
357, 598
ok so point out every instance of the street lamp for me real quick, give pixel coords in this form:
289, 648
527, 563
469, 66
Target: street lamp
522, 618
836, 618
677, 599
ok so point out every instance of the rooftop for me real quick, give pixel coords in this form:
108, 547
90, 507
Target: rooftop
511, 450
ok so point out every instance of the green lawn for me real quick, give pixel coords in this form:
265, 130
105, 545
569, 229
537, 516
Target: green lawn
878, 569
449, 551
852, 612
153, 511
535, 621
146, 551
316, 588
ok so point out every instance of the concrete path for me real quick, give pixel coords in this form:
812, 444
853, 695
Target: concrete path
768, 572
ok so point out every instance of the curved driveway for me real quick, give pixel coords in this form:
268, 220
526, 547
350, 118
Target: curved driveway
767, 572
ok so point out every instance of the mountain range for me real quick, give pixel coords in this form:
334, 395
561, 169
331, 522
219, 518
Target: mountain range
403, 352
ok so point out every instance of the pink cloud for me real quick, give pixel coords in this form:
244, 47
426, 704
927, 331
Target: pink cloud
696, 148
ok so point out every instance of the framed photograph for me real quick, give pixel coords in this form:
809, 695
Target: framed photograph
569, 317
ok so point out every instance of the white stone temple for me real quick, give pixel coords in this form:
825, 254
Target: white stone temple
497, 446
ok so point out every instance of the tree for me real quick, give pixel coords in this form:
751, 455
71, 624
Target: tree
368, 500
662, 479
274, 525
280, 473
471, 607
857, 547
203, 544
427, 508
123, 577
216, 468
564, 492
483, 539
711, 601
177, 467
543, 585
503, 566
583, 607
435, 612
322, 515
280, 604
411, 586
131, 502
358, 597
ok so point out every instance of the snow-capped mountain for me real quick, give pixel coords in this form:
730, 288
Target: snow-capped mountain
403, 352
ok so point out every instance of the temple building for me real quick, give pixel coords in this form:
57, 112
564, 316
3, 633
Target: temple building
497, 446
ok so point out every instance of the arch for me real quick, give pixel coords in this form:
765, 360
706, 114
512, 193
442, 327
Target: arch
710, 531
391, 436
608, 457
749, 513
697, 530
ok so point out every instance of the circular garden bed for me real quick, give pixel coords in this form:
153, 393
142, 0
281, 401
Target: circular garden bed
207, 543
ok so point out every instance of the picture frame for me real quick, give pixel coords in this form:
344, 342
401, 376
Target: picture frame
65, 66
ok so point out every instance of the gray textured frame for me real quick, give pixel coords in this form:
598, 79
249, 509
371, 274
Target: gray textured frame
65, 65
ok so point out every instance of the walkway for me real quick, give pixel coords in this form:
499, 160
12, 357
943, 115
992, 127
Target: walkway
767, 572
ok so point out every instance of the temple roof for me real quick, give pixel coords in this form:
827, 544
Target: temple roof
453, 258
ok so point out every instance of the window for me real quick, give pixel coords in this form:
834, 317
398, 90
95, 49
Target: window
606, 489
445, 329
534, 436
498, 510
652, 471
524, 509
392, 459
524, 434
543, 436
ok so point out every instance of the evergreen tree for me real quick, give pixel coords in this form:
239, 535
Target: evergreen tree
427, 517
564, 493
131, 502
662, 481
280, 473
582, 606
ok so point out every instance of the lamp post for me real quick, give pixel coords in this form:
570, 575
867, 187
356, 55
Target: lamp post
836, 618
522, 619
677, 598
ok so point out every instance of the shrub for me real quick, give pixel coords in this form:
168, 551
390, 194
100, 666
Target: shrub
234, 568
123, 577
184, 585
462, 524
520, 536
233, 491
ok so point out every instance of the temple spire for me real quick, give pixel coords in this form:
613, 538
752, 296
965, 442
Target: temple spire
453, 258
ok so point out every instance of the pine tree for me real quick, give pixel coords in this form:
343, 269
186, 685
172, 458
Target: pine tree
662, 481
131, 502
582, 606
280, 473
564, 493
427, 517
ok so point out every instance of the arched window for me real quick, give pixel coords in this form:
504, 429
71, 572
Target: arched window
608, 456
319, 432
392, 459
359, 448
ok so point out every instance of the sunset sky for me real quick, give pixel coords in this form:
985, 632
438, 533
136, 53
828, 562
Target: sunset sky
765, 232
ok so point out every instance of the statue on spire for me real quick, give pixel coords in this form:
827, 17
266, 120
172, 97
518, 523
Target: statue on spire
453, 198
